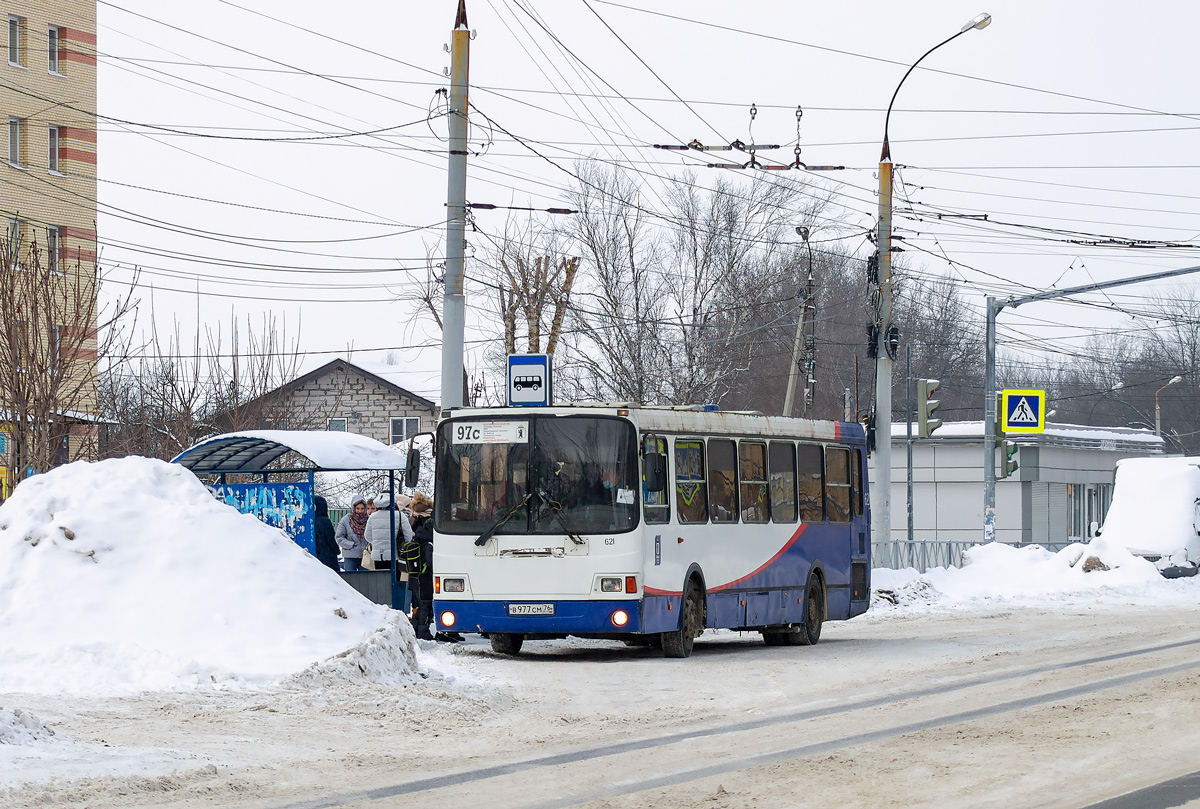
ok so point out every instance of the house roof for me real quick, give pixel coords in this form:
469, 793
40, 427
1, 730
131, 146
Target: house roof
257, 449
392, 377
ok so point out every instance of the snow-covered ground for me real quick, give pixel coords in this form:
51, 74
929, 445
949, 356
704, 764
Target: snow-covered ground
126, 578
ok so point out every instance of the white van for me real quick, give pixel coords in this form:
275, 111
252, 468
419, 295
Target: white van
1155, 512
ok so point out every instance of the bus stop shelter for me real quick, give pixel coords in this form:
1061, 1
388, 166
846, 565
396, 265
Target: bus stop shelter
278, 499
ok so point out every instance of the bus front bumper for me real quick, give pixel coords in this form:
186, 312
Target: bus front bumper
538, 617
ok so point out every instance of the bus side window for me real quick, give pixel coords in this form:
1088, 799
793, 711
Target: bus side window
691, 492
657, 507
811, 478
722, 480
752, 467
783, 481
837, 483
856, 480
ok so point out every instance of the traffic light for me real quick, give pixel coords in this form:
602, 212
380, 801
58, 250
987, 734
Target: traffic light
926, 423
1010, 458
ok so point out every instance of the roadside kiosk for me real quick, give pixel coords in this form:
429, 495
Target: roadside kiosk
278, 499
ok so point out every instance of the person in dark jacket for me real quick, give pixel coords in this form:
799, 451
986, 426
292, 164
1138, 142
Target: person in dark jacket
422, 528
327, 547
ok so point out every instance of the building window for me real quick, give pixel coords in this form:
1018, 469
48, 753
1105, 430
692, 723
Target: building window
52, 163
52, 48
53, 249
404, 428
13, 242
336, 425
14, 141
14, 40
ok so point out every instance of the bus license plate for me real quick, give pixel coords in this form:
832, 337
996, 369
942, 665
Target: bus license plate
530, 609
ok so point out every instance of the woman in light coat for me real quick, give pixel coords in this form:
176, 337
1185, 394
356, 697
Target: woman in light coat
379, 531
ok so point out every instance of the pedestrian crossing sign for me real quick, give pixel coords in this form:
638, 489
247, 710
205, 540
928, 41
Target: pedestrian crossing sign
1024, 411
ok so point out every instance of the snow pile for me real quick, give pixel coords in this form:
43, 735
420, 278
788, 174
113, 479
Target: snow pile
1155, 509
1102, 571
372, 660
20, 727
127, 575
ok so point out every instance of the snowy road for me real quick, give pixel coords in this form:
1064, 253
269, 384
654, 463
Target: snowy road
1062, 707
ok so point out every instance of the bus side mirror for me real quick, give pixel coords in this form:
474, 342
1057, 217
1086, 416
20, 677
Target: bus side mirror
656, 472
412, 473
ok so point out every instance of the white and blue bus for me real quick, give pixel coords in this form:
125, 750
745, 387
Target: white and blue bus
647, 524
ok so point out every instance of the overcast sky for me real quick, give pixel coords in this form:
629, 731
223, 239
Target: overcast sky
1057, 122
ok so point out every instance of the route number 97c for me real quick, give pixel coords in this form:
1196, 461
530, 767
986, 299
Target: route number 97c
490, 432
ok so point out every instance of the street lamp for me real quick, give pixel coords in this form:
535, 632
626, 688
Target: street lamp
806, 319
881, 501
1157, 412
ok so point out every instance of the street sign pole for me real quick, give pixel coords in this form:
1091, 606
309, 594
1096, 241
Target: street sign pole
994, 308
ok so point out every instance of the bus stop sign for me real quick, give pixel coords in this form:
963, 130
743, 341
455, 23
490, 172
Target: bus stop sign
1024, 411
529, 380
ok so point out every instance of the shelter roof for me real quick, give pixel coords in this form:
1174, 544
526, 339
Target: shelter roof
255, 450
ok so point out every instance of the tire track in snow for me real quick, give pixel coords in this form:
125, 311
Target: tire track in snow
737, 763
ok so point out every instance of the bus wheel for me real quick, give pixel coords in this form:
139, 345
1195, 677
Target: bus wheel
679, 642
506, 643
814, 614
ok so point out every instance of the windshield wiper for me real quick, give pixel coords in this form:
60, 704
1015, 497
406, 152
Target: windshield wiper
556, 507
499, 521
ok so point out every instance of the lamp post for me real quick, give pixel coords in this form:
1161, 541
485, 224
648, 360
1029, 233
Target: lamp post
805, 328
881, 502
1157, 412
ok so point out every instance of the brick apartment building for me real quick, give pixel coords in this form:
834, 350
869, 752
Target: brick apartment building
48, 193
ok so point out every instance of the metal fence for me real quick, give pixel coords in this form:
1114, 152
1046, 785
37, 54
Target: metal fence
924, 554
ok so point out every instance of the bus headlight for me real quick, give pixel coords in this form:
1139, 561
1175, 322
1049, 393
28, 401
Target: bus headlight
453, 585
619, 618
611, 584
447, 619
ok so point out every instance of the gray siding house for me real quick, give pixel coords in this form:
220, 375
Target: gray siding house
367, 398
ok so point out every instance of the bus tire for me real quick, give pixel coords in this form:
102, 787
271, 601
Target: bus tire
814, 614
507, 643
691, 623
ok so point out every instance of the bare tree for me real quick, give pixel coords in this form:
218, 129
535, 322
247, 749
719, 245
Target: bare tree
223, 378
534, 280
54, 330
669, 308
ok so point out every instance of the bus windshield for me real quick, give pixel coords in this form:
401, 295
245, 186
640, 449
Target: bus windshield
537, 475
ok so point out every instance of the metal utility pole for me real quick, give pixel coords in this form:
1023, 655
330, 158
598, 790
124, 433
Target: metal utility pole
453, 301
806, 336
908, 388
994, 307
885, 340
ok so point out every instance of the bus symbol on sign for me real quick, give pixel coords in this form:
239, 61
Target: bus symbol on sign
529, 380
